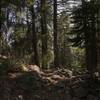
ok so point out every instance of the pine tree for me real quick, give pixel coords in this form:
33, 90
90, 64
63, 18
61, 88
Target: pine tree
56, 49
34, 38
44, 32
85, 32
98, 34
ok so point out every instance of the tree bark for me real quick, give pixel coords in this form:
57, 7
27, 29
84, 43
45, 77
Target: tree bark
56, 49
98, 36
44, 33
34, 39
90, 36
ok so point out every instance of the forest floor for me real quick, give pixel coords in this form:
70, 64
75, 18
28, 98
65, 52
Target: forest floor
49, 85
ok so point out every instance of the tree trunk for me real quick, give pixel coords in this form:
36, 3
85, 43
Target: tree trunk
90, 37
34, 39
44, 33
98, 35
56, 49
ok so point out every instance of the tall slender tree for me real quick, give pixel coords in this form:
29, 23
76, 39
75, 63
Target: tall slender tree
98, 35
85, 29
44, 32
34, 38
56, 49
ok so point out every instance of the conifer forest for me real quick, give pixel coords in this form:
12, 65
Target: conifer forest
49, 49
